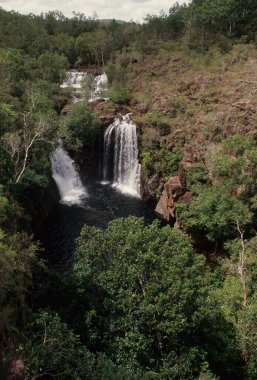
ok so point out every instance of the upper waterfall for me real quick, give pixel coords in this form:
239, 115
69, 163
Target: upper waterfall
67, 178
99, 88
97, 85
120, 162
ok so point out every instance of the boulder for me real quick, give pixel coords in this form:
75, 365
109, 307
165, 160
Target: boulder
174, 187
173, 191
185, 198
165, 207
150, 186
106, 112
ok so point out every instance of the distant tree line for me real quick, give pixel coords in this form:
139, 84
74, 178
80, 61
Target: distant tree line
87, 40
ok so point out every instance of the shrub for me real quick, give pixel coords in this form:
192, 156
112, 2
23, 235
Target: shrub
119, 95
83, 126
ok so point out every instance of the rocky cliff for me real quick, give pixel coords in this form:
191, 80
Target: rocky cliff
182, 99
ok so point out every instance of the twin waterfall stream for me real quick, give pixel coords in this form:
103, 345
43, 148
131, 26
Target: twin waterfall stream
98, 196
121, 167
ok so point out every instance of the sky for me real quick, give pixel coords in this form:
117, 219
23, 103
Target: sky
118, 9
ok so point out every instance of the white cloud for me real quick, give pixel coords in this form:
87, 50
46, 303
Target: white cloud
119, 9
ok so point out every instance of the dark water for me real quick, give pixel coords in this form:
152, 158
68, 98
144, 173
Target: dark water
102, 205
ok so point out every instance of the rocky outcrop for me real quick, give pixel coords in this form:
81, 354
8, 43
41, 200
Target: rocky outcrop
105, 111
174, 193
150, 185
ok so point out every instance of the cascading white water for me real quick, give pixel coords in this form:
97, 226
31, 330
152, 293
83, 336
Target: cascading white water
67, 178
98, 87
74, 79
63, 168
121, 165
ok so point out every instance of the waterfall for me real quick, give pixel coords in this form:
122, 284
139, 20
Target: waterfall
120, 162
63, 168
67, 178
74, 79
98, 87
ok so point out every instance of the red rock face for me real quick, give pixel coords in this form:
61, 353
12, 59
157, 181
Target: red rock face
174, 193
105, 114
185, 198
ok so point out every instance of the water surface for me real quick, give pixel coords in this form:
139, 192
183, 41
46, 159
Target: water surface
103, 204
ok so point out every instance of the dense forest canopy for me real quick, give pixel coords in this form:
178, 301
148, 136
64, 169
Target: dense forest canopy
139, 302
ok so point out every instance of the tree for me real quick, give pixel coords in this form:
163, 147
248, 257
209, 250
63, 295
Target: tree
17, 260
38, 125
155, 292
216, 213
8, 117
46, 354
238, 296
82, 125
65, 45
102, 46
20, 144
84, 48
52, 66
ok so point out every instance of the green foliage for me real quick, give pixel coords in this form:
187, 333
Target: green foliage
161, 160
119, 94
115, 72
136, 293
118, 91
31, 178
206, 374
46, 351
196, 175
155, 292
8, 117
235, 165
248, 325
17, 260
160, 123
82, 125
216, 213
4, 206
229, 167
172, 160
51, 67
225, 187
87, 85
5, 167
236, 145
83, 48
238, 295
